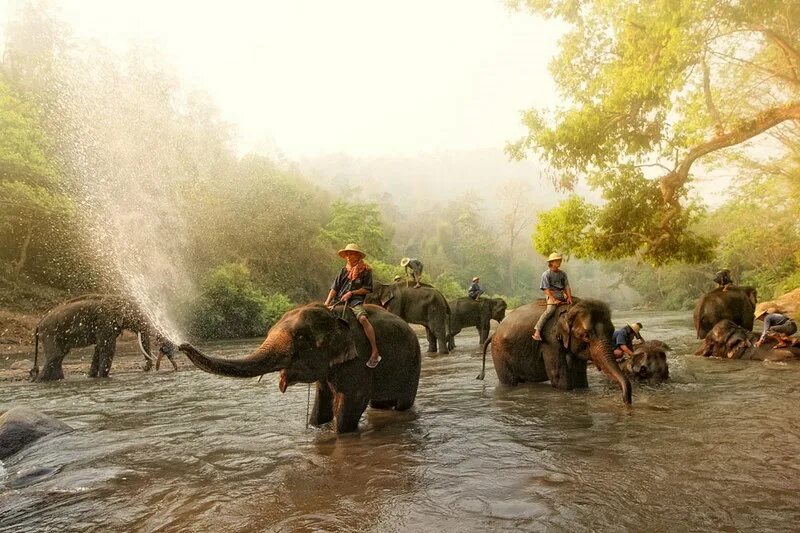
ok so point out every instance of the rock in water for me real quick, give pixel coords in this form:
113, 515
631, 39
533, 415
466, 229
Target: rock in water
22, 365
21, 426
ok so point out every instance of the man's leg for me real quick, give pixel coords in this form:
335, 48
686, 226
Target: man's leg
417, 278
537, 330
370, 332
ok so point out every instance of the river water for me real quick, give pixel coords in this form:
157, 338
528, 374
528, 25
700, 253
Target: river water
715, 449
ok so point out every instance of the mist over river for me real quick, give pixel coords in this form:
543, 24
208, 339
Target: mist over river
714, 449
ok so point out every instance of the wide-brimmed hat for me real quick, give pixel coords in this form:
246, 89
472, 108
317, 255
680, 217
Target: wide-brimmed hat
405, 261
636, 327
398, 278
352, 247
476, 278
554, 257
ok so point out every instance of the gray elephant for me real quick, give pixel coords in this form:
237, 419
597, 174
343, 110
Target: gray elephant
734, 303
648, 362
728, 340
312, 344
466, 312
574, 335
21, 426
422, 305
92, 319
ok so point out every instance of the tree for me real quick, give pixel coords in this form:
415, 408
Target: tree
517, 215
30, 196
361, 223
652, 87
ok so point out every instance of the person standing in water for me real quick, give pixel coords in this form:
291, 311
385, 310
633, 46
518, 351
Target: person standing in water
556, 289
415, 266
352, 284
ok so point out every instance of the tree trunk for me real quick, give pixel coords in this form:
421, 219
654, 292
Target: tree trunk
23, 253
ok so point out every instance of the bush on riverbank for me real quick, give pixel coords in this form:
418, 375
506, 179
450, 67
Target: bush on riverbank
232, 306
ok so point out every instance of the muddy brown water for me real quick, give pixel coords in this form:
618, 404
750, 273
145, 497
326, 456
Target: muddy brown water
715, 449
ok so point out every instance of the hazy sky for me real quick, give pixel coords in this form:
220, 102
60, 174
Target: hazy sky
364, 77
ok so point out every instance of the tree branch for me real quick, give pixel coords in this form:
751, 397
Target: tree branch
792, 55
671, 184
712, 109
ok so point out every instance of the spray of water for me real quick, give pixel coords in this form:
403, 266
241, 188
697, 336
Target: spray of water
126, 182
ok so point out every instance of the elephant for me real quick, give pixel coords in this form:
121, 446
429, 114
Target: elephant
648, 362
466, 312
729, 340
311, 344
21, 426
736, 304
423, 305
90, 319
577, 333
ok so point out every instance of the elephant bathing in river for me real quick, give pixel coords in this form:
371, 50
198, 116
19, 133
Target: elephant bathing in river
466, 312
574, 335
648, 362
731, 341
312, 344
90, 319
737, 304
422, 305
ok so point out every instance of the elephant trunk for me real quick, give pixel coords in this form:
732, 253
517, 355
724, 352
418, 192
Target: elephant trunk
274, 354
601, 353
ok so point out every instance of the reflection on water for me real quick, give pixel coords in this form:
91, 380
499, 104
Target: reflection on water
713, 449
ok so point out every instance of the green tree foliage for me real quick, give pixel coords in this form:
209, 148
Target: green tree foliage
361, 223
652, 87
231, 305
31, 199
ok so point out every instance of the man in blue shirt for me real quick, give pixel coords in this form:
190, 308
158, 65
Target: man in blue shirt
475, 290
622, 339
351, 286
556, 289
777, 326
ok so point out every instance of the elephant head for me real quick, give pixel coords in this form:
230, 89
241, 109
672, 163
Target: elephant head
128, 315
585, 331
649, 362
303, 345
726, 339
381, 294
499, 307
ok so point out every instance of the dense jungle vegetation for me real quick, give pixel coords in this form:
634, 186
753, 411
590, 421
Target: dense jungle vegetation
653, 87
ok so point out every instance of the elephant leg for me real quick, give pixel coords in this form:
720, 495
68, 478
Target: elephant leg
483, 333
94, 370
578, 375
323, 406
348, 411
54, 354
431, 340
383, 404
555, 365
440, 332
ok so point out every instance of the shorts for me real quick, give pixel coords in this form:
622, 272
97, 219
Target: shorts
789, 328
359, 310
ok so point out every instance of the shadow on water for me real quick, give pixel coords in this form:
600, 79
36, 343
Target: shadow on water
712, 449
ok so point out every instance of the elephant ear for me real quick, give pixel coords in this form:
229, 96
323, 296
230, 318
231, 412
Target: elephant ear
341, 346
386, 297
564, 328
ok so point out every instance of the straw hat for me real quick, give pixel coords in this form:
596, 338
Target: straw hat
352, 247
554, 257
476, 278
398, 278
636, 327
405, 261
762, 310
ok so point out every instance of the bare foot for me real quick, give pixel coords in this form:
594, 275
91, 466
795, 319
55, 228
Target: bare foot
536, 336
374, 360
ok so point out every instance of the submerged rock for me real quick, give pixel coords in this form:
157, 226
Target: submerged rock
21, 426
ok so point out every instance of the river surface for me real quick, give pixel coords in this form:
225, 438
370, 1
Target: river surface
715, 449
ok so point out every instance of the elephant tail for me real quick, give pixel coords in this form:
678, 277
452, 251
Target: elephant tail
34, 372
483, 365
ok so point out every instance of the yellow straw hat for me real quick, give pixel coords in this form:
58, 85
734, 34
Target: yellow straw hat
405, 261
554, 257
476, 278
352, 247
636, 327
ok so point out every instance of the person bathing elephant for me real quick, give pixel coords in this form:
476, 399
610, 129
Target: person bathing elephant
466, 312
92, 319
777, 326
737, 304
623, 338
415, 266
579, 333
311, 344
728, 340
425, 306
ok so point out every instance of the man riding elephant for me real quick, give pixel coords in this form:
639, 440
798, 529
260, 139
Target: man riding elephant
475, 290
352, 284
737, 304
556, 289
